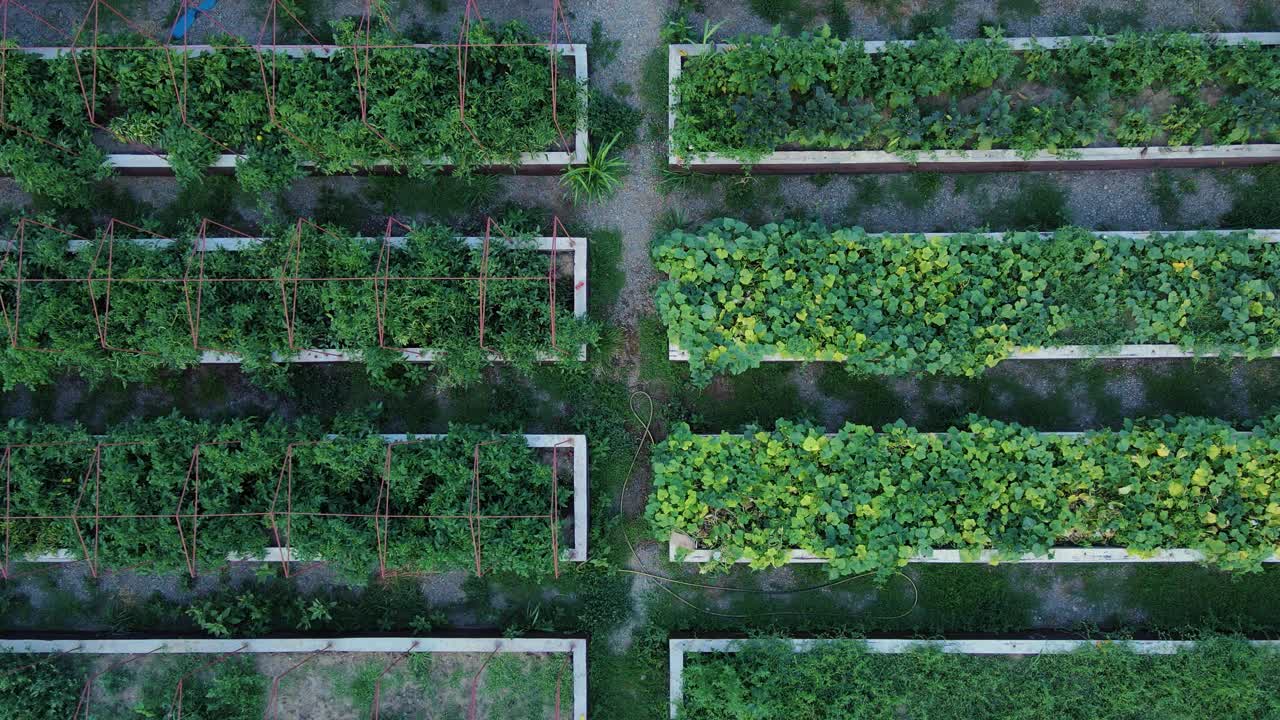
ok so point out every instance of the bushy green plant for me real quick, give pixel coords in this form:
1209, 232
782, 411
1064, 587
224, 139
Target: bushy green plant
897, 303
34, 687
598, 179
869, 501
333, 490
815, 91
154, 322
411, 96
1108, 681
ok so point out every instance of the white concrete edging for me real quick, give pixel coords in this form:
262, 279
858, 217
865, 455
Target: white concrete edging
974, 160
581, 505
576, 648
1062, 352
575, 245
678, 648
683, 548
160, 161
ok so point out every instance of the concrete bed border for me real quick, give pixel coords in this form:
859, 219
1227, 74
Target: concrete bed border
1063, 352
531, 163
578, 246
581, 506
876, 161
678, 648
576, 648
683, 548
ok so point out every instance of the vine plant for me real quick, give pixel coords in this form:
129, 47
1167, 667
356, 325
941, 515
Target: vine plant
896, 303
869, 501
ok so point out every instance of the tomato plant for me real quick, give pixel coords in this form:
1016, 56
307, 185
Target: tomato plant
144, 467
194, 107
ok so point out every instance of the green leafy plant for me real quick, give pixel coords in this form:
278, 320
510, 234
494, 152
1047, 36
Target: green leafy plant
599, 178
869, 501
153, 325
1108, 681
395, 105
334, 495
817, 92
958, 304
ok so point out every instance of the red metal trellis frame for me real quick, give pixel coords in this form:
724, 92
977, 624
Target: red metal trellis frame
102, 275
187, 512
85, 46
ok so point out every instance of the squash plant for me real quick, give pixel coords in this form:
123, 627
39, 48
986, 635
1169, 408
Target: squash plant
194, 107
144, 466
814, 91
240, 310
868, 501
897, 303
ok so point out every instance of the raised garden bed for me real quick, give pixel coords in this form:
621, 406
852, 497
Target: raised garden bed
269, 113
815, 104
535, 678
958, 303
172, 494
1186, 490
126, 308
901, 678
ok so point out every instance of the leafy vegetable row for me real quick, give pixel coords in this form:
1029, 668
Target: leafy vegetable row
895, 303
773, 92
145, 465
765, 679
410, 97
869, 501
151, 323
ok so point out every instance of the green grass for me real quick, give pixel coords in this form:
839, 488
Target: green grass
916, 190
604, 268
1167, 189
1260, 15
1038, 204
1018, 9
1253, 198
1112, 20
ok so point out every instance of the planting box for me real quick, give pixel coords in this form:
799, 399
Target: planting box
1062, 352
575, 246
877, 161
530, 163
304, 676
682, 548
1028, 647
577, 444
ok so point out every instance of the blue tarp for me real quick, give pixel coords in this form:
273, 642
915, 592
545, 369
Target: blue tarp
188, 18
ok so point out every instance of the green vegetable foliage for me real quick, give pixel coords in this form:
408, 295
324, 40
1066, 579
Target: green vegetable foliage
1218, 677
249, 485
429, 290
868, 501
896, 303
774, 92
279, 111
